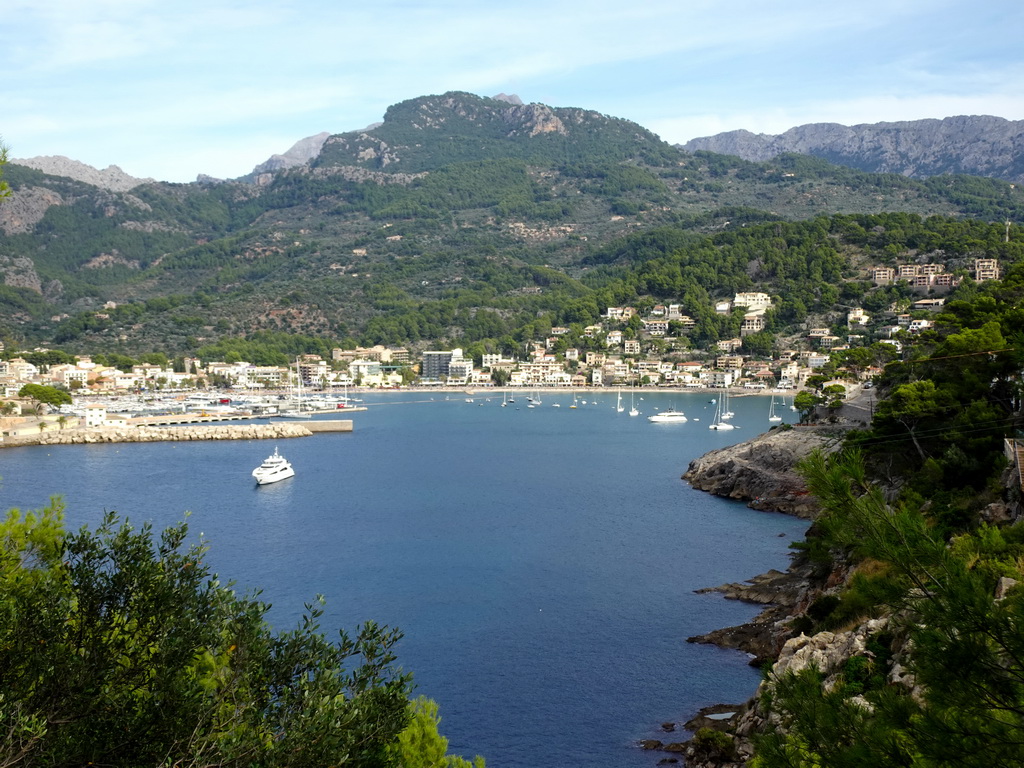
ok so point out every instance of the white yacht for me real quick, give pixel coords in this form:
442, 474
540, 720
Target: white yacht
275, 467
668, 417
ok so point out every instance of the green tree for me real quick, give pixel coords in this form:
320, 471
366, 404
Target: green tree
915, 407
45, 394
806, 402
5, 190
420, 745
121, 649
962, 644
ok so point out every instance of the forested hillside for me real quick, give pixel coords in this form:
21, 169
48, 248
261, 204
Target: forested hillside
457, 220
908, 649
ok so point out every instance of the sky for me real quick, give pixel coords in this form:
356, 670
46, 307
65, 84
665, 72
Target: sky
170, 90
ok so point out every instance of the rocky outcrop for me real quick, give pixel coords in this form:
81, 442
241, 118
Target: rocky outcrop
980, 145
762, 470
533, 119
25, 208
300, 153
509, 98
20, 272
782, 594
111, 177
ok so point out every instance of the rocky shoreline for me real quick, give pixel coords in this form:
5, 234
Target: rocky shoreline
760, 471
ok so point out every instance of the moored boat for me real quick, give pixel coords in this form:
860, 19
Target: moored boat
668, 417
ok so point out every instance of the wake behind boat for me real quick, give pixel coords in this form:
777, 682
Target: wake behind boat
275, 467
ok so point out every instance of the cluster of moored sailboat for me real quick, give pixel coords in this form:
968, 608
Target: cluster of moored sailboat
720, 421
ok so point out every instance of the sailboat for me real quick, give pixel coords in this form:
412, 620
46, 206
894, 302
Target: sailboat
573, 399
772, 416
296, 410
618, 404
726, 413
632, 406
719, 422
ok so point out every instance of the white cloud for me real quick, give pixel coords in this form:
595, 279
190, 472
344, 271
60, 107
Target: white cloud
174, 81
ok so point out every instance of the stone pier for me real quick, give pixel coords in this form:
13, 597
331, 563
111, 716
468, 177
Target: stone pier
139, 434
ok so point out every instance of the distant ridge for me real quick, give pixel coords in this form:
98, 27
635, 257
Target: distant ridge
980, 145
111, 177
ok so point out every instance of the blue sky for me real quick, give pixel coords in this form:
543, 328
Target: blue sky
172, 89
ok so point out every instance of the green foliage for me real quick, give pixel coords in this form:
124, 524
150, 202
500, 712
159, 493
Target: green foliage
267, 348
713, 745
47, 395
5, 190
118, 648
966, 647
465, 208
806, 402
421, 746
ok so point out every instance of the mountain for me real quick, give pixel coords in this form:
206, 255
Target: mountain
111, 177
300, 153
457, 217
979, 145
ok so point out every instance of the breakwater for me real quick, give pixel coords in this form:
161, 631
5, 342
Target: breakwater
139, 434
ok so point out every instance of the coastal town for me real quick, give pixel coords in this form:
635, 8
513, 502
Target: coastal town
626, 349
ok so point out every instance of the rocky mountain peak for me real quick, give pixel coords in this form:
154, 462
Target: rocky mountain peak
980, 145
300, 153
111, 177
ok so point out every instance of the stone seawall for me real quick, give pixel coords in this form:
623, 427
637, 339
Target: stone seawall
157, 434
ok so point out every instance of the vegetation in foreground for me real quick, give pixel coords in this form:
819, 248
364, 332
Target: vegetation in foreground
919, 517
120, 648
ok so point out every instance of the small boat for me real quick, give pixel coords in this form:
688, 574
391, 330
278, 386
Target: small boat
275, 467
293, 414
668, 417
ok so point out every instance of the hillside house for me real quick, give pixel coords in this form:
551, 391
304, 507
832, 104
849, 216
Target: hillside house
883, 275
986, 269
857, 316
753, 301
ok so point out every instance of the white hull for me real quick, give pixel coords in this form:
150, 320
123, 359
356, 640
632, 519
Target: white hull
668, 417
273, 469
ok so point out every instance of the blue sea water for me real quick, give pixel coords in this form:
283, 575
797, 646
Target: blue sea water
541, 561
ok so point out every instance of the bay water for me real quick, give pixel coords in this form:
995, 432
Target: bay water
542, 562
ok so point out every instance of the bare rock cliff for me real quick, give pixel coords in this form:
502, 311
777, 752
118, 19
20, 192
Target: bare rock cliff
300, 153
980, 145
762, 470
111, 177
